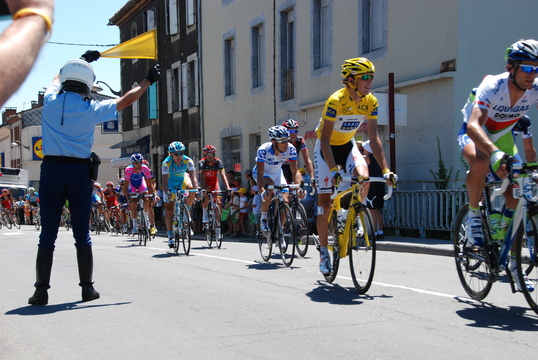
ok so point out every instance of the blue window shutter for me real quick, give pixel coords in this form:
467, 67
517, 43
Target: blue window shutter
152, 102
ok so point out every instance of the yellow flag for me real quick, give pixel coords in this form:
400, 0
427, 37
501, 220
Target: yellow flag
143, 46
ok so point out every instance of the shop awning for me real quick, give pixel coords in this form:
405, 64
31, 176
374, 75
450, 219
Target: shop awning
127, 143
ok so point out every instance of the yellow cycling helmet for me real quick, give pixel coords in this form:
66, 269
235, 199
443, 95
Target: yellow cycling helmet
356, 66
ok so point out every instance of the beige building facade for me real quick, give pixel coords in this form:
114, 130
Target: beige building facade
265, 61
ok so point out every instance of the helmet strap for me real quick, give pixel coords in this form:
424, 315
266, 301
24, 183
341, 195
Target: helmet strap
359, 93
354, 87
512, 77
275, 147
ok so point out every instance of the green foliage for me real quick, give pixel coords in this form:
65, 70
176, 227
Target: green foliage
442, 176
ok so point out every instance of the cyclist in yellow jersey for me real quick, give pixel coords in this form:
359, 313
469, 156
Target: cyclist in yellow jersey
335, 149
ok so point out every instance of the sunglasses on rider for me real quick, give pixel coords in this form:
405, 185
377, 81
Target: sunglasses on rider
529, 69
292, 131
366, 77
137, 162
178, 154
283, 141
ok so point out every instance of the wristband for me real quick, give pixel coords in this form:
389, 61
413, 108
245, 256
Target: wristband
495, 159
336, 168
385, 171
33, 11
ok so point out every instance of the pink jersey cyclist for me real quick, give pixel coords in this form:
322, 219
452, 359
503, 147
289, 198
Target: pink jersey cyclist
137, 178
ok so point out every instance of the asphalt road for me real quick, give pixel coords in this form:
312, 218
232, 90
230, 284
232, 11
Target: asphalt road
227, 304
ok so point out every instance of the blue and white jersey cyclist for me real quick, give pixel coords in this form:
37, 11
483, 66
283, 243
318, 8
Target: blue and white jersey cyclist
268, 170
178, 172
32, 197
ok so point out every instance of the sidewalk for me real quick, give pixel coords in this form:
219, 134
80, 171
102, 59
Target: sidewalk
389, 243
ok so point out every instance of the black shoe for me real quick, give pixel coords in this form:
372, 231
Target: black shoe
43, 269
85, 271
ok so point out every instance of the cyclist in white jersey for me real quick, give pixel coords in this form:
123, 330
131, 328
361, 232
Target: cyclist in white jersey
268, 170
501, 100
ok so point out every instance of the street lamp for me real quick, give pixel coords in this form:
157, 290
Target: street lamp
20, 145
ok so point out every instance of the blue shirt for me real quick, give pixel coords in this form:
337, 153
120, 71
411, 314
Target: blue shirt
69, 121
176, 173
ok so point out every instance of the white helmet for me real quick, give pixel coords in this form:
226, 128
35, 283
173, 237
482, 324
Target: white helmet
79, 73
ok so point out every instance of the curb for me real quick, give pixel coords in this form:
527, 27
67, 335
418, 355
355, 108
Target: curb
390, 243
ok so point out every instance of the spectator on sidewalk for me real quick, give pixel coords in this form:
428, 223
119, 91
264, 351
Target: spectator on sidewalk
256, 204
244, 207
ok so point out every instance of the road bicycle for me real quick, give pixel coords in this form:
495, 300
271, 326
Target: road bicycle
281, 227
115, 222
36, 217
302, 231
127, 225
143, 221
10, 219
66, 218
352, 233
97, 220
181, 220
213, 230
479, 267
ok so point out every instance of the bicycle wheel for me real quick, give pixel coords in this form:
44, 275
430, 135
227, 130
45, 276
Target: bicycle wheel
473, 266
302, 235
141, 229
67, 222
526, 255
15, 221
145, 236
209, 228
362, 249
265, 242
333, 247
185, 229
216, 227
177, 240
285, 234
7, 222
97, 226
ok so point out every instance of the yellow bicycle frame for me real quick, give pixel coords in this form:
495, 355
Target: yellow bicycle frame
343, 238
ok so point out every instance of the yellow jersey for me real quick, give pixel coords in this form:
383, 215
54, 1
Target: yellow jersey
347, 115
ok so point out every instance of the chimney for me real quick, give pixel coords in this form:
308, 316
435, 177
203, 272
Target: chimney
40, 96
9, 111
34, 104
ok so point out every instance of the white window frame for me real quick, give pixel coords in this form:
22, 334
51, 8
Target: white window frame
258, 55
191, 12
321, 34
373, 28
173, 20
150, 20
229, 65
136, 110
134, 33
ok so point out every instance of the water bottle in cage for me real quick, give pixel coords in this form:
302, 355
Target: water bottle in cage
341, 220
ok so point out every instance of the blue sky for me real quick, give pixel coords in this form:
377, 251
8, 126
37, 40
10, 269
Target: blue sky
77, 22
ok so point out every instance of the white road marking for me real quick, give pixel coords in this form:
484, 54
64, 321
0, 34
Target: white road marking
421, 291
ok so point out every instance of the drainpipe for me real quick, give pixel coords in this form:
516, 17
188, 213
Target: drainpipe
274, 62
200, 74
